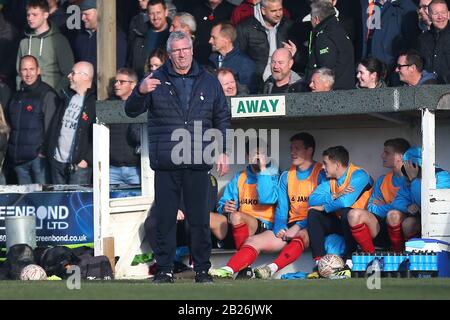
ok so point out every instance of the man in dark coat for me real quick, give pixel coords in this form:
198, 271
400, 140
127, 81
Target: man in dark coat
434, 45
29, 114
330, 47
180, 96
70, 143
259, 36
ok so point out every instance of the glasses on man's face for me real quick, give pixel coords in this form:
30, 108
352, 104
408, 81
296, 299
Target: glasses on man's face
399, 66
77, 72
121, 82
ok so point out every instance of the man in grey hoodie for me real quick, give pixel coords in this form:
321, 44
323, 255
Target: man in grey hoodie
283, 79
259, 36
47, 44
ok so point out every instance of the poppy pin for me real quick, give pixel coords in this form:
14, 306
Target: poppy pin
29, 108
85, 117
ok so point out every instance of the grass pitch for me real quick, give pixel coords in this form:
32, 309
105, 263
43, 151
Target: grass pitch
422, 289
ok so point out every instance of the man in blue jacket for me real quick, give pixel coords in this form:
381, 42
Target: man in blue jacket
226, 55
180, 96
404, 219
348, 187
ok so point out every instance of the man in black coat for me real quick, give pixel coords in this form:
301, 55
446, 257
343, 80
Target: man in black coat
71, 134
434, 45
330, 46
29, 114
137, 30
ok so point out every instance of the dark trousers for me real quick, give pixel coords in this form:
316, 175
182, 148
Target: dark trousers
321, 224
194, 184
65, 173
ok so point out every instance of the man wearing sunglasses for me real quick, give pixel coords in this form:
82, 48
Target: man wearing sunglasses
124, 166
410, 69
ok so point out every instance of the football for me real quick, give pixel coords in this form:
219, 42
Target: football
329, 264
33, 272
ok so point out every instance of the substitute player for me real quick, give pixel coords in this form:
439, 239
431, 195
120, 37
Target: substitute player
368, 226
404, 220
248, 202
289, 234
348, 187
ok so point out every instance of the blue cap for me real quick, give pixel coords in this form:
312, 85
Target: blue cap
88, 4
414, 154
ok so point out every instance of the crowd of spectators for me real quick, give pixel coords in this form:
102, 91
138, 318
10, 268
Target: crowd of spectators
48, 58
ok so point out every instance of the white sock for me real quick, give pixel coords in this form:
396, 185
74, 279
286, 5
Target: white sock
273, 267
349, 263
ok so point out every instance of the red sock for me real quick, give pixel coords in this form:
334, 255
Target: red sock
396, 236
243, 258
362, 235
240, 234
290, 253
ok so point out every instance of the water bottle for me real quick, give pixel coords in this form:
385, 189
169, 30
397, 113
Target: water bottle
388, 262
420, 261
434, 261
413, 261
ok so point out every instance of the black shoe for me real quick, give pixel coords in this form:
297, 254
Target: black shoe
163, 277
203, 277
244, 274
179, 267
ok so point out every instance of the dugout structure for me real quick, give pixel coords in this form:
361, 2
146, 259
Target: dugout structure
374, 115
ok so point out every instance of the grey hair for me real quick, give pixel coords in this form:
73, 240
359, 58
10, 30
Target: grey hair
187, 19
322, 9
264, 3
176, 36
130, 73
326, 74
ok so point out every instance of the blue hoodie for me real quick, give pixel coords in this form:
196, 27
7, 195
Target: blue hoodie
427, 78
411, 193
